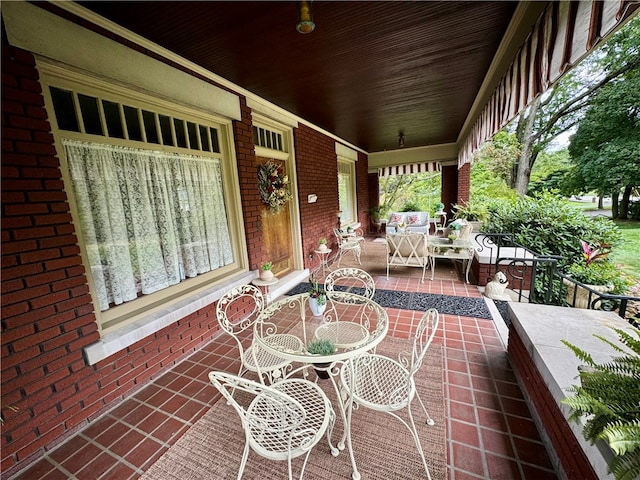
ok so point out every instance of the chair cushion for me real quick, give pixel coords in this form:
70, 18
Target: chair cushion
414, 219
397, 218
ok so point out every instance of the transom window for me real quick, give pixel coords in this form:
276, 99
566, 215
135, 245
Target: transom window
263, 137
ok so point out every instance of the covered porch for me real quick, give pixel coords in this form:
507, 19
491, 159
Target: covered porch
490, 432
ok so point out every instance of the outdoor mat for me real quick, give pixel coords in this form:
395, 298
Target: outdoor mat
383, 447
449, 304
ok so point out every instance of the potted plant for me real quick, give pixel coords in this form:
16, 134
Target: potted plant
454, 231
265, 271
594, 271
322, 244
607, 400
439, 207
322, 347
474, 213
317, 298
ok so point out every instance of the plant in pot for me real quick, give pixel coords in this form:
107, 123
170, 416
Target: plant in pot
454, 231
473, 212
322, 244
265, 271
595, 271
322, 347
607, 402
317, 298
439, 207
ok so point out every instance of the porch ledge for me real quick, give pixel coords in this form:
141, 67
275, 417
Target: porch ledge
538, 356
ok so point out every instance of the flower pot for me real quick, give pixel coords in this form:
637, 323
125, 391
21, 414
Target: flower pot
266, 275
316, 309
322, 247
582, 299
323, 374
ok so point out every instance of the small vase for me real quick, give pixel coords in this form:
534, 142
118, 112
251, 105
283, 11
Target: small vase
321, 370
316, 309
322, 247
266, 275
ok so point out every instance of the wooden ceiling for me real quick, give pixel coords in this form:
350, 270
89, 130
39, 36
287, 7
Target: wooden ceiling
369, 71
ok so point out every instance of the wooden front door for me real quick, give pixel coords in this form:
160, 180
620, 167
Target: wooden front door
276, 233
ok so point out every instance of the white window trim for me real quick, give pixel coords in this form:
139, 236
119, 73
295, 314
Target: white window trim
348, 156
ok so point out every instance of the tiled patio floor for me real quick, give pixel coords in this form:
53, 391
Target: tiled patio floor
490, 434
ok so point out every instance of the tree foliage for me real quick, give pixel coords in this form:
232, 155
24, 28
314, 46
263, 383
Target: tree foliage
560, 108
606, 148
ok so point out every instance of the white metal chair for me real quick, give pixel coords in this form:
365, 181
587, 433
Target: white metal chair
386, 385
283, 421
346, 334
347, 244
351, 277
237, 312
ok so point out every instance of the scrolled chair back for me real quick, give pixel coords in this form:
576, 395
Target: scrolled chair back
422, 339
354, 280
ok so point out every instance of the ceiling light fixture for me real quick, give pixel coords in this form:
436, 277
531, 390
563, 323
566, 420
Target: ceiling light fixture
305, 20
401, 140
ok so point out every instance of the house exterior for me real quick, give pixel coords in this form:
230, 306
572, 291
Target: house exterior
66, 356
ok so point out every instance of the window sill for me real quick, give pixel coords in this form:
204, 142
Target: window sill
126, 336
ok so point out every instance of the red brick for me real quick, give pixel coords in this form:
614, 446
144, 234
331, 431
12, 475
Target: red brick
35, 232
9, 248
19, 358
40, 255
26, 294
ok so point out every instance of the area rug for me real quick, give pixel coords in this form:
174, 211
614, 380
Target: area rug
449, 304
383, 447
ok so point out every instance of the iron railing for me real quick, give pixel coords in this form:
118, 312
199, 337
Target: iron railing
536, 278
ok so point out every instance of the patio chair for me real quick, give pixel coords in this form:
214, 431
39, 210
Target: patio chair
407, 250
283, 421
386, 385
346, 334
347, 244
236, 312
351, 277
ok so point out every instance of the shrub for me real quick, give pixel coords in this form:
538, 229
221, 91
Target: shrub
411, 207
549, 225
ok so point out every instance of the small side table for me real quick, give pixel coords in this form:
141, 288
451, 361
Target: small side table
258, 282
324, 259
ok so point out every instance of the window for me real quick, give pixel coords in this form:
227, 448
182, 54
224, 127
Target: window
149, 219
347, 191
149, 186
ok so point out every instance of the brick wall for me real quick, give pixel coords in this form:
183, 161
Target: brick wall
449, 192
47, 314
564, 444
464, 184
317, 168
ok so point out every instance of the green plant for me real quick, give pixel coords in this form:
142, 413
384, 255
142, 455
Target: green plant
322, 241
596, 269
317, 292
471, 211
439, 206
609, 400
321, 347
266, 266
410, 207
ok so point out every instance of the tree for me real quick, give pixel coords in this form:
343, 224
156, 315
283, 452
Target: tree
606, 148
561, 107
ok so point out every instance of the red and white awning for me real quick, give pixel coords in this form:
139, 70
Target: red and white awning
408, 169
564, 34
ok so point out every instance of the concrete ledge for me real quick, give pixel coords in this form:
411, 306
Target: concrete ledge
538, 356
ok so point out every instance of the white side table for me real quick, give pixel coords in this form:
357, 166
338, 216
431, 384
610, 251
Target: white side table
258, 282
324, 259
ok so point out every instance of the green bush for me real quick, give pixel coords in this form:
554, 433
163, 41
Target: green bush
599, 273
549, 225
411, 207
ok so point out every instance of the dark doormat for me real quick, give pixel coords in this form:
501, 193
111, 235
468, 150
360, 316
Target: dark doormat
449, 304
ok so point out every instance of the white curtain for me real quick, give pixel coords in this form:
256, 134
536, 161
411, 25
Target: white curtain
149, 219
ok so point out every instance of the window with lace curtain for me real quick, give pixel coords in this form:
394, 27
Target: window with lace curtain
149, 200
346, 191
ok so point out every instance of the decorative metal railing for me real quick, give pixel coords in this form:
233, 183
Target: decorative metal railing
536, 278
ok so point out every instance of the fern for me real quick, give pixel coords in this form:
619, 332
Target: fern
609, 399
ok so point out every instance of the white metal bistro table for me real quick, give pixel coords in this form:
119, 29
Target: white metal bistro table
259, 282
440, 247
292, 315
324, 259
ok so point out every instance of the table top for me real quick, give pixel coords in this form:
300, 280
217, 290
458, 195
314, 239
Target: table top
445, 242
258, 282
292, 315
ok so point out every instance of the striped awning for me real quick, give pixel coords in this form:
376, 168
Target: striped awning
563, 35
408, 169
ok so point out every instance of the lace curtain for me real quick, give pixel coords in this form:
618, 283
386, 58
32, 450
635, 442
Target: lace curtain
149, 219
